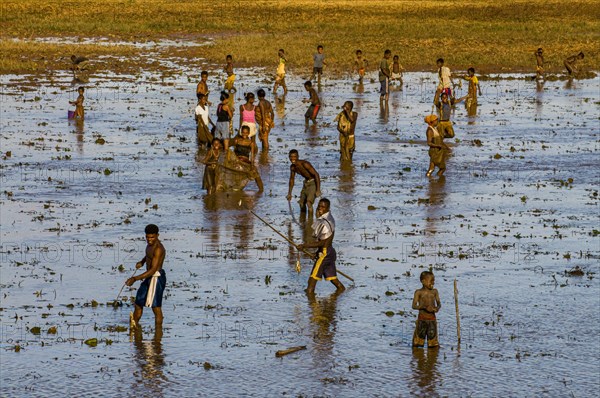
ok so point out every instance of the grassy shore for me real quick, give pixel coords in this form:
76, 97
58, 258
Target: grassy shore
497, 37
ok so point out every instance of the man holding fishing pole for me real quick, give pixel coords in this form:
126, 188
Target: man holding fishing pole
154, 279
323, 232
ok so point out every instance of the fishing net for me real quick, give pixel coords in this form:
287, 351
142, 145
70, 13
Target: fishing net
233, 174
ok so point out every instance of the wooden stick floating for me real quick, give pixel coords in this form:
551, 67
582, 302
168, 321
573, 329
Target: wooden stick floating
291, 350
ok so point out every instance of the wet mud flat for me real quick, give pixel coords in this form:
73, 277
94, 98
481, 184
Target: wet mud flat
515, 221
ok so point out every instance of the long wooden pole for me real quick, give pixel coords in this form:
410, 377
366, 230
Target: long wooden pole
291, 242
457, 313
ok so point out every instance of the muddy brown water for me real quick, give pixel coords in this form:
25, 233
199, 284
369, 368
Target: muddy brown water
505, 222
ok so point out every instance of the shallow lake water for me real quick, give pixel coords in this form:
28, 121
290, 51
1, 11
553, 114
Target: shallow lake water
517, 209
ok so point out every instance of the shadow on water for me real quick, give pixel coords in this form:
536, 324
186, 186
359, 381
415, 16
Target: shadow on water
435, 209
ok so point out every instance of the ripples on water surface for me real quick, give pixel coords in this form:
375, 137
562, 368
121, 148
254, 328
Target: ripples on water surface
73, 210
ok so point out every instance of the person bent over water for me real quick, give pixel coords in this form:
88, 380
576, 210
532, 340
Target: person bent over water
570, 62
312, 182
323, 232
427, 301
154, 279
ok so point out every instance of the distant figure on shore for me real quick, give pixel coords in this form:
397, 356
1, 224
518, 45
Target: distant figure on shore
280, 74
539, 59
360, 64
79, 113
79, 64
570, 62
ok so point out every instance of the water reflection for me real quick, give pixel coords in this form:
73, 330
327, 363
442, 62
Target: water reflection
471, 112
384, 111
212, 218
569, 84
539, 99
424, 376
77, 124
323, 326
436, 194
150, 359
226, 211
280, 107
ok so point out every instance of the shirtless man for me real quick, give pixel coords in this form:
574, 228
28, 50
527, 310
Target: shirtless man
312, 182
151, 290
323, 232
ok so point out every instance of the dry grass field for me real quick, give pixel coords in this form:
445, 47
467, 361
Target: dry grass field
493, 37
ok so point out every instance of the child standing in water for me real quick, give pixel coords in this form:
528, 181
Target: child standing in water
78, 104
435, 141
265, 118
230, 75
427, 301
445, 76
280, 76
209, 180
315, 103
346, 121
360, 64
474, 88
397, 70
539, 59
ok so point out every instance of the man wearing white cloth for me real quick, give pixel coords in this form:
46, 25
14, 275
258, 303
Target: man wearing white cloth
154, 279
323, 233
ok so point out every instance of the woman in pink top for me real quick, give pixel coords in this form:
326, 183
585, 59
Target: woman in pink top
247, 114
